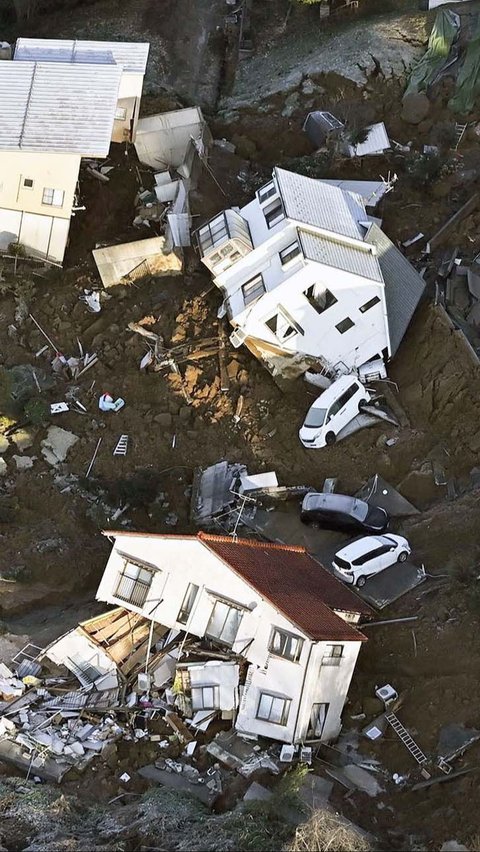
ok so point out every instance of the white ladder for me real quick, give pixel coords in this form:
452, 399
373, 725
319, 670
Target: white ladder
122, 446
406, 739
459, 134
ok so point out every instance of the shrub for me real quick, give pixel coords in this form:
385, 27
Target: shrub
325, 831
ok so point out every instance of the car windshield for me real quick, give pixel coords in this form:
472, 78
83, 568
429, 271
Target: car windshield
359, 510
315, 418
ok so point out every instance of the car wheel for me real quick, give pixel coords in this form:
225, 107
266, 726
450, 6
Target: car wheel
361, 582
361, 405
403, 556
330, 438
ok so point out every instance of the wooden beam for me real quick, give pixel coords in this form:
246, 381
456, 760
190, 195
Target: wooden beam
454, 220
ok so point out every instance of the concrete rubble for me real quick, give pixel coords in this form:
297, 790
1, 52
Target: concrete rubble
56, 445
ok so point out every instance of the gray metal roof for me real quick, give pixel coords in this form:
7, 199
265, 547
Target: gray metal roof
313, 202
347, 257
370, 191
63, 109
403, 285
131, 56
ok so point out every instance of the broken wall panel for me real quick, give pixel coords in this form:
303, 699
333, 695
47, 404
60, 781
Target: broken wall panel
118, 264
164, 140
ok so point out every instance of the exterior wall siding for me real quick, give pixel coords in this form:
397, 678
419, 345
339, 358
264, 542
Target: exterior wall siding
183, 561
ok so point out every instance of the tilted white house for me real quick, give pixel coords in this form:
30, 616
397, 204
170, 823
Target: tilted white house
61, 101
308, 278
288, 623
130, 57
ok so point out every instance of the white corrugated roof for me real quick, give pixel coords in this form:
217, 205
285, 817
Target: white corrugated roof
333, 253
64, 109
377, 141
371, 191
131, 56
321, 205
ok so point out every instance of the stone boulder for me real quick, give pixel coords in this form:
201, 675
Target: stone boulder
416, 107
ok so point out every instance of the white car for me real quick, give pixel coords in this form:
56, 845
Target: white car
369, 555
331, 412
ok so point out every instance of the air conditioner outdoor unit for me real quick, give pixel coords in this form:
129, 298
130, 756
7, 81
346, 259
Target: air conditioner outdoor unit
237, 337
386, 693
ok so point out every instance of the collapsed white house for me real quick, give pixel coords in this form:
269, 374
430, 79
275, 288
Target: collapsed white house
279, 634
309, 280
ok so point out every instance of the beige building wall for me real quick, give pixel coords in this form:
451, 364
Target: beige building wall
47, 171
128, 107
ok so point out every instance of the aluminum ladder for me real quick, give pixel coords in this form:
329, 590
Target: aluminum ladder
406, 739
459, 134
122, 446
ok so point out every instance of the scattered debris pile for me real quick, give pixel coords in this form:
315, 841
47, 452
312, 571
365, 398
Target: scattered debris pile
223, 491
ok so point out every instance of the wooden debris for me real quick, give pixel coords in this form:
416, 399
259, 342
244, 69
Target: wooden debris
222, 357
179, 727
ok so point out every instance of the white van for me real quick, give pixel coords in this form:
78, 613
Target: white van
331, 412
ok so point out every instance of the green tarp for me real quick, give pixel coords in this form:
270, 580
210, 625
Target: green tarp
443, 35
468, 80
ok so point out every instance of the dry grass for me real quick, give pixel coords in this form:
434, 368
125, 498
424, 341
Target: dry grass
325, 831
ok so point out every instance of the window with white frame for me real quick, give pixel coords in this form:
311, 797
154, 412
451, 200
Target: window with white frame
289, 253
286, 645
273, 213
273, 708
266, 191
205, 697
253, 290
187, 603
318, 717
224, 622
333, 655
53, 197
283, 325
120, 114
134, 581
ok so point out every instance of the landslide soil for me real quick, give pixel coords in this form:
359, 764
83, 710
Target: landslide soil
438, 381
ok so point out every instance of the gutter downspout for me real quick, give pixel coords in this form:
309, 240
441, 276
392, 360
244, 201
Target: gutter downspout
301, 691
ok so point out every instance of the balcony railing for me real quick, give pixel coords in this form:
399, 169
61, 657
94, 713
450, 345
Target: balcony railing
331, 661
